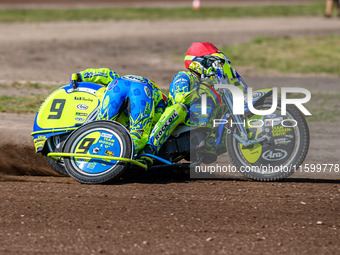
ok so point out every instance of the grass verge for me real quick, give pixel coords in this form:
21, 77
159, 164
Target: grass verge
324, 107
28, 104
27, 85
15, 15
306, 55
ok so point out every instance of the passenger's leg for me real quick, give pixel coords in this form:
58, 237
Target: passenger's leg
141, 114
113, 99
170, 119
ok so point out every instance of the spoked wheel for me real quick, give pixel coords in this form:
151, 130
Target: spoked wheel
285, 145
53, 143
99, 138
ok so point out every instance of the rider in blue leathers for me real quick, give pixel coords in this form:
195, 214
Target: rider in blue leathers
134, 97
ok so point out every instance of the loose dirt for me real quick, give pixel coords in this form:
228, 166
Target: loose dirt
155, 213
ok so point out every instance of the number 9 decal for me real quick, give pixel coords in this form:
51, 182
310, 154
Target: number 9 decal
60, 103
85, 145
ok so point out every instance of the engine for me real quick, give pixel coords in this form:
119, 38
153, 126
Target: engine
181, 144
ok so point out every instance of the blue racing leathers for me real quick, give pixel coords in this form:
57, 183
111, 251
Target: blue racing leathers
132, 100
140, 99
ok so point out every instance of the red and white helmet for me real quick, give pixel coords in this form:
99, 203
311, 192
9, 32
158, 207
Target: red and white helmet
204, 58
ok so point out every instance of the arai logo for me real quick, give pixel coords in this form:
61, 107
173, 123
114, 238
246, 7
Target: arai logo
79, 119
274, 155
82, 107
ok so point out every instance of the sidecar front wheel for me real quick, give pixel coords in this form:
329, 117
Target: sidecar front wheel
100, 138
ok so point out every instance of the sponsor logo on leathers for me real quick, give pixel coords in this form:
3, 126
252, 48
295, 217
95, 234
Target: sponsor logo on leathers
134, 78
166, 125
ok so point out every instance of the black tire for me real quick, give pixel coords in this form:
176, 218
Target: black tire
126, 151
285, 168
50, 146
56, 166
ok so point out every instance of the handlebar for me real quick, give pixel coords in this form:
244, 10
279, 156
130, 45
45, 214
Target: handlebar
74, 79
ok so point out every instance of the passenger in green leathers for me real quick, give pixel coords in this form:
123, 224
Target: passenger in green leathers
132, 100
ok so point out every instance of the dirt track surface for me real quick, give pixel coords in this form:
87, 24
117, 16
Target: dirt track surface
163, 216
157, 213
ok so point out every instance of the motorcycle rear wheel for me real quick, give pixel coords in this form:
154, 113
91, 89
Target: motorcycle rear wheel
283, 152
